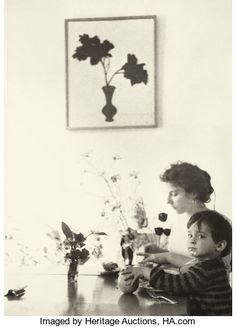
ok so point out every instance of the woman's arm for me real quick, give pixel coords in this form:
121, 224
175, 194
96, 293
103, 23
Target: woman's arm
174, 259
153, 248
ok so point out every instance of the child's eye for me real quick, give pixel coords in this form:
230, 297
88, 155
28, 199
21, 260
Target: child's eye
189, 235
200, 236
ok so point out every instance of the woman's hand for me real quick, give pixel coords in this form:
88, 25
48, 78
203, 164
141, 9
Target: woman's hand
159, 258
151, 248
174, 259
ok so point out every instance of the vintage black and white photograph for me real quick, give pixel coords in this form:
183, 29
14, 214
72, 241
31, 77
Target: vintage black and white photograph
111, 79
118, 179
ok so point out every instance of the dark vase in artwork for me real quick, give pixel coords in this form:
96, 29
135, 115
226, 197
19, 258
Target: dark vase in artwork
109, 110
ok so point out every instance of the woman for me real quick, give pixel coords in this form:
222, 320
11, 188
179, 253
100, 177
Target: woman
189, 189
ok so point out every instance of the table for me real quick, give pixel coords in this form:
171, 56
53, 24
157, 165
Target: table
52, 295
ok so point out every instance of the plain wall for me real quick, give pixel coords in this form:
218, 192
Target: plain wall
43, 172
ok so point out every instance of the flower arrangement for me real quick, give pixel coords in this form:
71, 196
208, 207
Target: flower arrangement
91, 47
119, 207
76, 251
118, 202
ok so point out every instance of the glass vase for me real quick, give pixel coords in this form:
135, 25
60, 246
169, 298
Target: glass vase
73, 271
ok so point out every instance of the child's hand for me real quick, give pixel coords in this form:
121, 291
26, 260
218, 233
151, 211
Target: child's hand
132, 273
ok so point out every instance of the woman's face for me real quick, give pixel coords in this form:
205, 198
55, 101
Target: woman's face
180, 201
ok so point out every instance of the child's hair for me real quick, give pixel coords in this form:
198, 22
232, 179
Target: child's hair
221, 229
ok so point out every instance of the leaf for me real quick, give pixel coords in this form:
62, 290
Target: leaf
84, 254
16, 293
79, 238
68, 256
134, 71
99, 233
66, 230
92, 48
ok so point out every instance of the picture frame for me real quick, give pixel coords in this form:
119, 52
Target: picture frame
111, 72
95, 48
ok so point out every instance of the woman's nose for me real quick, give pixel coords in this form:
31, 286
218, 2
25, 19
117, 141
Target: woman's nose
169, 200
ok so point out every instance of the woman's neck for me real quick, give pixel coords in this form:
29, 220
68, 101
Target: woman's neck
196, 207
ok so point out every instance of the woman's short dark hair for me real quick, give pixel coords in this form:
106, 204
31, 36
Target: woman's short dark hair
220, 227
191, 178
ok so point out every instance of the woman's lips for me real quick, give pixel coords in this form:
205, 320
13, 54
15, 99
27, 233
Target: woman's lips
191, 249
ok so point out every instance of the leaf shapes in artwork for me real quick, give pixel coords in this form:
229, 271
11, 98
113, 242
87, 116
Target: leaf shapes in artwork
92, 48
66, 230
134, 71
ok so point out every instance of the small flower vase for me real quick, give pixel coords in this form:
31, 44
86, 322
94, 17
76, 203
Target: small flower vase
72, 295
109, 110
73, 271
128, 255
158, 231
126, 252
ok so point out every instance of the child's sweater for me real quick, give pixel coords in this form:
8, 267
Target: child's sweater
205, 284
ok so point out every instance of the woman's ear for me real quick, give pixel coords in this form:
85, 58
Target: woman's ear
194, 196
221, 245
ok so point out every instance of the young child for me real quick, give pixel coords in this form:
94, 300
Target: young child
205, 281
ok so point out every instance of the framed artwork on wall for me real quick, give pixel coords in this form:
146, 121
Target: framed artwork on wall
111, 72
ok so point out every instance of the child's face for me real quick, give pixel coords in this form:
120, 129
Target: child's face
200, 243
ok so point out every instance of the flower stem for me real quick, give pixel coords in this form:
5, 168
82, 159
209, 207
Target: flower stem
119, 71
105, 70
122, 218
89, 235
